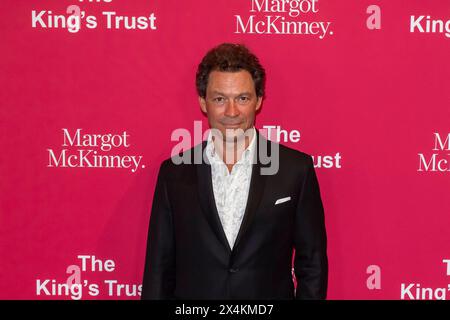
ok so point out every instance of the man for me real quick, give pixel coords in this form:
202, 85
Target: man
223, 228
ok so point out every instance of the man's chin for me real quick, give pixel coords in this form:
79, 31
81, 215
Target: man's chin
230, 134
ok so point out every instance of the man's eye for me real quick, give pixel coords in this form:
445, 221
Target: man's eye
244, 99
219, 99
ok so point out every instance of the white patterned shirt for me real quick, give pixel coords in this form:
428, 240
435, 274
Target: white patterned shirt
231, 188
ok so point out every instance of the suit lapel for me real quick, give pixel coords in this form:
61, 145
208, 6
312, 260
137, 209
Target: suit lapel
208, 202
257, 183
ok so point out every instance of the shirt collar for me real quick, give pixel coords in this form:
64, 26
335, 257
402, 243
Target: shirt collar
246, 155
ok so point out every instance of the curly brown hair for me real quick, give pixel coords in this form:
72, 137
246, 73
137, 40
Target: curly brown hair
230, 57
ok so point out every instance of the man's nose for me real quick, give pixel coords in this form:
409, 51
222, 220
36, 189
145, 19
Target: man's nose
231, 109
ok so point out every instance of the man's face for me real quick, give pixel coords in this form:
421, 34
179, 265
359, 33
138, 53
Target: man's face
230, 103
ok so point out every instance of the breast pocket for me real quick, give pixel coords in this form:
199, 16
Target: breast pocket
282, 200
277, 208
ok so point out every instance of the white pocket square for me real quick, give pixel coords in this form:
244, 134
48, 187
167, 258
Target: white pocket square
282, 200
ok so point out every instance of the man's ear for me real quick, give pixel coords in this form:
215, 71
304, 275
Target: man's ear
259, 103
202, 103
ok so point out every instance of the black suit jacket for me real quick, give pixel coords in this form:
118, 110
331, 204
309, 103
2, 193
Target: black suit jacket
188, 255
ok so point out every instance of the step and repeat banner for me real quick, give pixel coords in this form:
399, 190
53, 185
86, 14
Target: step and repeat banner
91, 92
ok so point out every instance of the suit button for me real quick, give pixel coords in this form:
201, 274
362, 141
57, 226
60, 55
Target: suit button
233, 270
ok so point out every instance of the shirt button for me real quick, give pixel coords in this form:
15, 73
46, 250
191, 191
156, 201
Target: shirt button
233, 270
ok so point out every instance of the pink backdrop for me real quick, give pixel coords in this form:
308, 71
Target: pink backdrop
374, 101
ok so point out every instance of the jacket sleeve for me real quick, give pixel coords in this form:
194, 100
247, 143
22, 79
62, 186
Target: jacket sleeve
310, 240
159, 270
